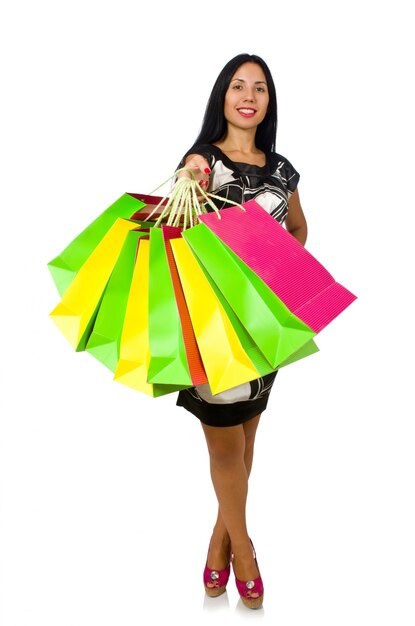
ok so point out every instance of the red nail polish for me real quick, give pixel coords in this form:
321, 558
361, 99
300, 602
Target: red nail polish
207, 170
200, 182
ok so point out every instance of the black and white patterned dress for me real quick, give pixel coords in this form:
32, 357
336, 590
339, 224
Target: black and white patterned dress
271, 186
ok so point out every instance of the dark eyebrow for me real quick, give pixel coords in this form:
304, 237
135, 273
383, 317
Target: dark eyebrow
257, 82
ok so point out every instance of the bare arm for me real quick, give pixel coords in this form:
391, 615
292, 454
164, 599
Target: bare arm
295, 221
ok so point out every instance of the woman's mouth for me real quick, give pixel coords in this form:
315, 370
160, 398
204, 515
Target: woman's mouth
246, 112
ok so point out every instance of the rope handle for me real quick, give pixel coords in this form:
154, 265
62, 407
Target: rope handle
183, 201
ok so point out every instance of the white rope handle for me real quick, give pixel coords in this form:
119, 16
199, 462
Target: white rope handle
183, 202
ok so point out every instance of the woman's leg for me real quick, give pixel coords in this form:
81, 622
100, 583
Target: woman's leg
231, 454
219, 548
250, 428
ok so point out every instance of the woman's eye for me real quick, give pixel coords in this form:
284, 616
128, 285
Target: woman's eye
237, 87
260, 89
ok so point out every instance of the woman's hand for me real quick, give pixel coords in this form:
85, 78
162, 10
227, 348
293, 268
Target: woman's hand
200, 168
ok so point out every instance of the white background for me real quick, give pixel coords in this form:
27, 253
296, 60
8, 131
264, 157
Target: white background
106, 500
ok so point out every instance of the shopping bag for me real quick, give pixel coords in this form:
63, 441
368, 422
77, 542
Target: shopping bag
194, 359
174, 355
227, 301
75, 314
307, 289
105, 337
66, 265
132, 366
275, 330
225, 361
254, 353
168, 360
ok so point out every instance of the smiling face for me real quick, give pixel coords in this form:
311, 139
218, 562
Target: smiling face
246, 100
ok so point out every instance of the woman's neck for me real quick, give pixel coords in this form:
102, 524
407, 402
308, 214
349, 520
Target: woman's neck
240, 147
241, 142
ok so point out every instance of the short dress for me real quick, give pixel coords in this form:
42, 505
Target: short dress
271, 186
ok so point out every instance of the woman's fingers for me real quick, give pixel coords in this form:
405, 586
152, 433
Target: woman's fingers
197, 161
200, 169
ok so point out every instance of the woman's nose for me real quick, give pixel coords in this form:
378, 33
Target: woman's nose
249, 95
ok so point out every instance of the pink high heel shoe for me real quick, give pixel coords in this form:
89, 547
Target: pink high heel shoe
215, 581
251, 591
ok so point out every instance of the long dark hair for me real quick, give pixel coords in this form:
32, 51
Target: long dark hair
214, 123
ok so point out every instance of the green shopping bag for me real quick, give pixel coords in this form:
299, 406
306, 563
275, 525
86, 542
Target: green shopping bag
168, 358
254, 353
134, 357
277, 333
104, 341
75, 314
66, 265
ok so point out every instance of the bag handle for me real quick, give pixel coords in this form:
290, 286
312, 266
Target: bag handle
183, 201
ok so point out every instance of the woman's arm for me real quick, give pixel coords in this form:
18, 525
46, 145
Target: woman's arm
295, 221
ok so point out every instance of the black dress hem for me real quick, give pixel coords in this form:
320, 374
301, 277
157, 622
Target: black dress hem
229, 414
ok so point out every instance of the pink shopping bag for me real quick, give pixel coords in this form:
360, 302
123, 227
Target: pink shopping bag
293, 274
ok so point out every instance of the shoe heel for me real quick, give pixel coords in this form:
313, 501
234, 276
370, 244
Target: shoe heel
251, 591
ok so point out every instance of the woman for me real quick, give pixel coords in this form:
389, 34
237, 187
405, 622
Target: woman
234, 158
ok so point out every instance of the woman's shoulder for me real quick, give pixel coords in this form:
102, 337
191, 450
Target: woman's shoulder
281, 166
279, 161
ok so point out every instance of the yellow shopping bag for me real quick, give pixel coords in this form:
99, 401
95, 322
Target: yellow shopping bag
132, 368
225, 361
75, 314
